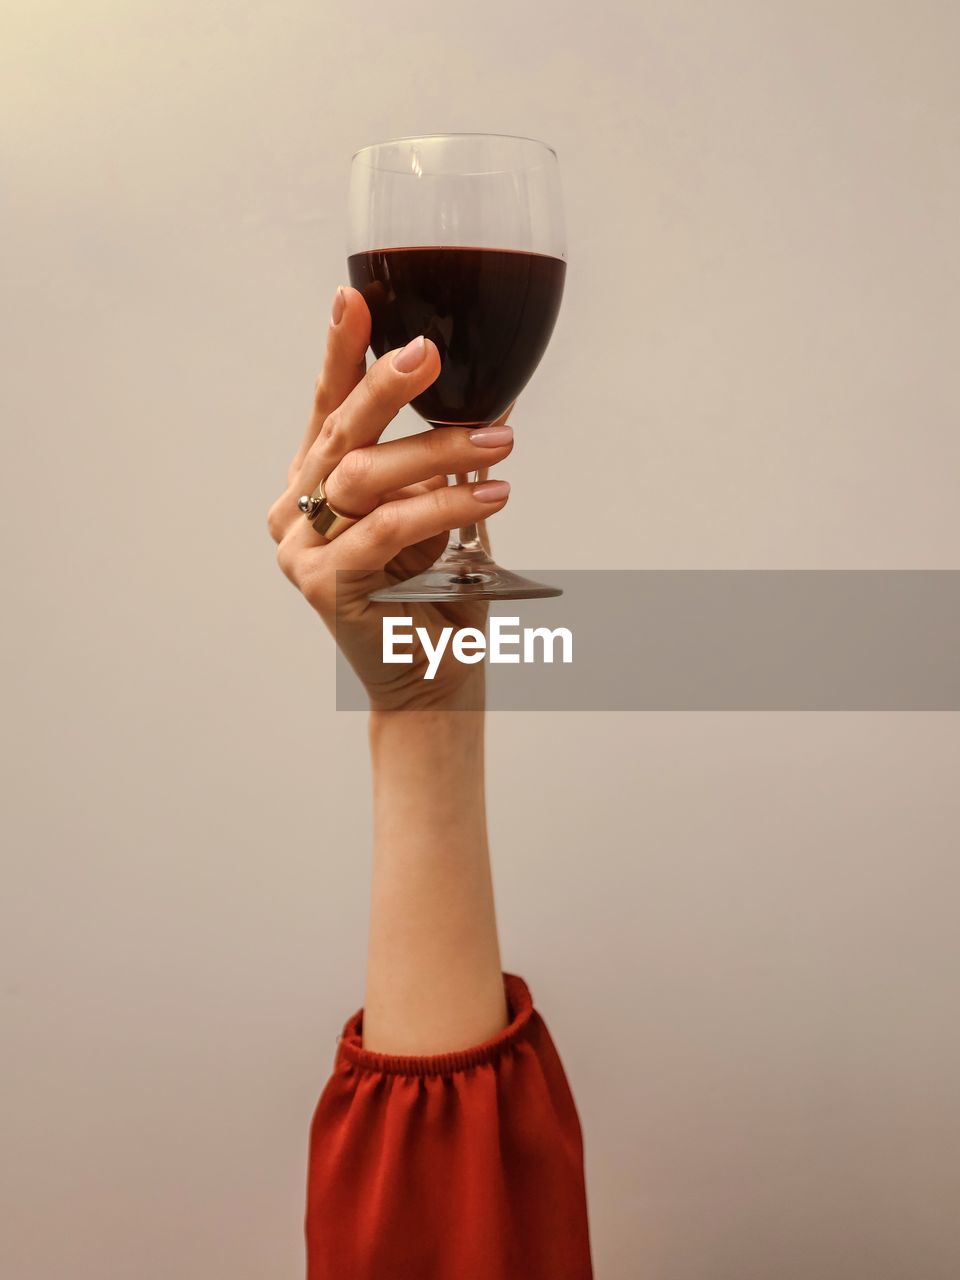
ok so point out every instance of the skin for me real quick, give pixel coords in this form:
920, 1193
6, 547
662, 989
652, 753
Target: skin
434, 980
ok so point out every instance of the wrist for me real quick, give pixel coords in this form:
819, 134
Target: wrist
443, 735
465, 694
428, 764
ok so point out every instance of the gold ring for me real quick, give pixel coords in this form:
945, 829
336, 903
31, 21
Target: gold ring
327, 521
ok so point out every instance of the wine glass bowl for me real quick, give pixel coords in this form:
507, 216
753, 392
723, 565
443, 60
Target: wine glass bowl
460, 237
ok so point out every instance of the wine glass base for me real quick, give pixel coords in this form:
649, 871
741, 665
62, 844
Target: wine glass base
470, 580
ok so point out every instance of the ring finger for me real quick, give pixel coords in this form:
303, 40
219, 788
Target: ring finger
365, 476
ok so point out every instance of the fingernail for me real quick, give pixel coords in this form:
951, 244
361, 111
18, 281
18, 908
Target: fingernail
491, 437
407, 359
491, 490
339, 305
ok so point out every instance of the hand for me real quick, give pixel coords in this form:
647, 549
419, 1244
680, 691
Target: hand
406, 508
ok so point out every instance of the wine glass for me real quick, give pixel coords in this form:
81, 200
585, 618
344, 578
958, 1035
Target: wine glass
460, 237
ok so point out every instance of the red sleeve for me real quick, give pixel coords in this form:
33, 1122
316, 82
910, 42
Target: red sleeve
460, 1166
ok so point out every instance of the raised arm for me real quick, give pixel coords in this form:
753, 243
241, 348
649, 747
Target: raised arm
433, 977
446, 1143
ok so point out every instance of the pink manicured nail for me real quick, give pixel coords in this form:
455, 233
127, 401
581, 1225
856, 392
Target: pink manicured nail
407, 359
491, 490
491, 437
339, 306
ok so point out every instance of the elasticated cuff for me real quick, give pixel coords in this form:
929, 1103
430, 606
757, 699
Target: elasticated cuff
519, 1010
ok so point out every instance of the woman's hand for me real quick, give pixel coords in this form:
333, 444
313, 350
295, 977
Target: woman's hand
406, 508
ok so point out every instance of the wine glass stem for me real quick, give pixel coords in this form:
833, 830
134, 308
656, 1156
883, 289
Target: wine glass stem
467, 537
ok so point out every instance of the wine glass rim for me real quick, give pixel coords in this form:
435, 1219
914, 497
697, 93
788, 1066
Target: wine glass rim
437, 137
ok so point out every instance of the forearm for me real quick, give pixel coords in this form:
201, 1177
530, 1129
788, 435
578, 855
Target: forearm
433, 975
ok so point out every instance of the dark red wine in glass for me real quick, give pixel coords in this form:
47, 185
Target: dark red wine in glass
490, 312
460, 237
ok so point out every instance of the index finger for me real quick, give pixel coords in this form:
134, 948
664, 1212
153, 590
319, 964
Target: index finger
344, 362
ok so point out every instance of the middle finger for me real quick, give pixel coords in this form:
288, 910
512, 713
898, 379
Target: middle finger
364, 477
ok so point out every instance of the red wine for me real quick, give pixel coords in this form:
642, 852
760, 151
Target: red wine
490, 312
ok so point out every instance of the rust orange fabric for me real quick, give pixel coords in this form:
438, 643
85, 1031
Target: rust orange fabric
459, 1166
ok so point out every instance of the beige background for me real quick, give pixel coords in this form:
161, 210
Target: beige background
742, 928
